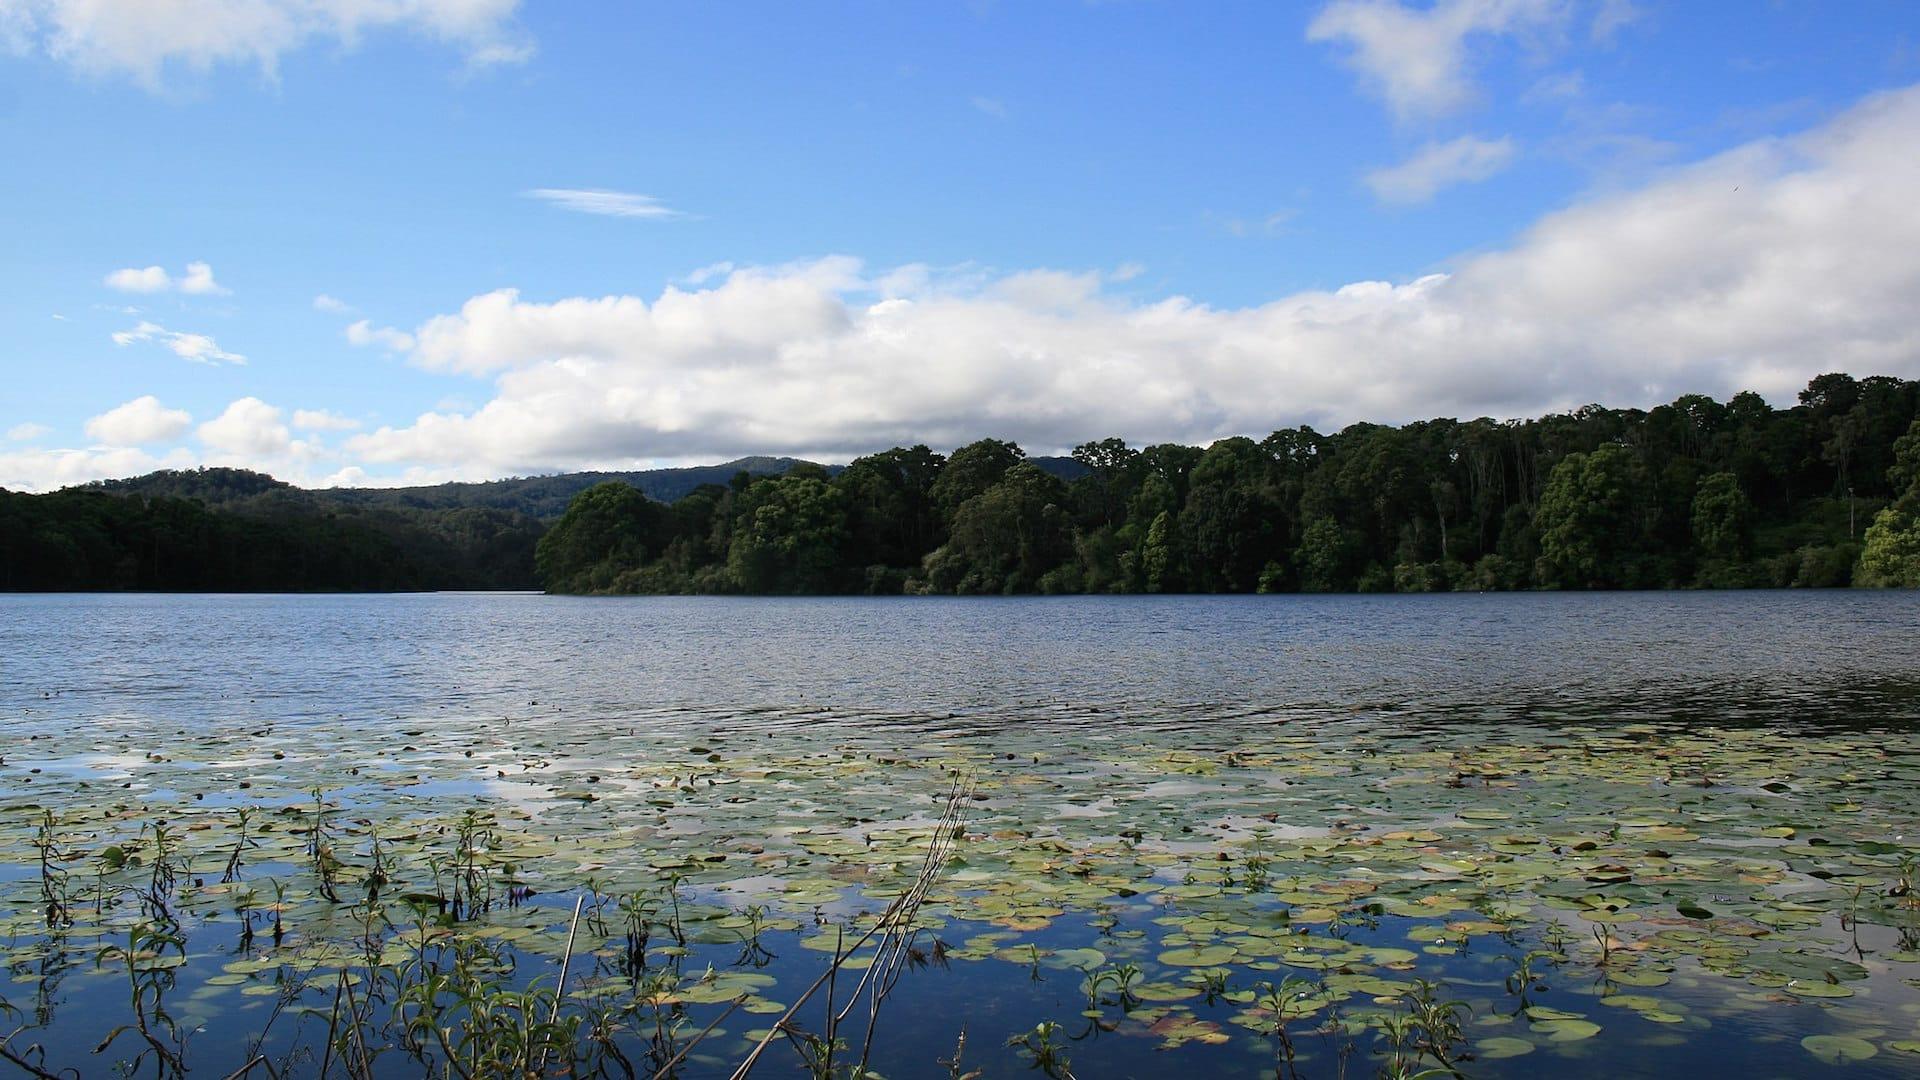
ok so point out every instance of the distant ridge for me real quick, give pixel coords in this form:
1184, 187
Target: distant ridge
542, 497
546, 497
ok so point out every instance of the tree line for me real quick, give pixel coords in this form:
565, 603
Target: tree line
1697, 493
229, 530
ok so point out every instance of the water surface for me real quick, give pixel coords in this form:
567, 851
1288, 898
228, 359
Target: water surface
1354, 791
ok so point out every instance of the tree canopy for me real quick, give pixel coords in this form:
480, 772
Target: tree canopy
1698, 493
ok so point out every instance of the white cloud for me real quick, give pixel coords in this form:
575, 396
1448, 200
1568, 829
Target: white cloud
322, 420
198, 348
139, 422
331, 305
27, 432
152, 279
197, 281
45, 470
1464, 160
143, 38
606, 203
991, 106
1755, 269
364, 333
1416, 58
248, 431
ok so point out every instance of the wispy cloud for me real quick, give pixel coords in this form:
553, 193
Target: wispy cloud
198, 348
1465, 160
332, 305
1614, 16
991, 106
1272, 224
625, 204
1417, 58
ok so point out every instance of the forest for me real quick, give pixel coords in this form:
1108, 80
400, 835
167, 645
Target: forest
1694, 494
1698, 493
229, 530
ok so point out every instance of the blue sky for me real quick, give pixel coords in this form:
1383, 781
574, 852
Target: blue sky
828, 228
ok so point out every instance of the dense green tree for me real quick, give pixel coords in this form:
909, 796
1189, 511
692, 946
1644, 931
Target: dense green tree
1114, 472
892, 519
1235, 521
1722, 518
1590, 525
973, 469
1891, 554
1325, 557
1007, 538
791, 538
606, 527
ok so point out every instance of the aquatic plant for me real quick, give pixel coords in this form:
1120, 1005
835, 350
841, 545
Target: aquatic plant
1042, 1048
1689, 911
1428, 1039
152, 951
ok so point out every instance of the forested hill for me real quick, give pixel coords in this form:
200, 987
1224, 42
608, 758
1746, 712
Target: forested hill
1698, 493
223, 529
542, 497
234, 530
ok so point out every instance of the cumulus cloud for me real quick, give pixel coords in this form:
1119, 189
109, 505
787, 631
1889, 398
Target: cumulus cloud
1754, 269
196, 281
198, 348
140, 421
1465, 160
142, 38
248, 433
606, 203
44, 470
249, 430
152, 279
364, 333
1417, 58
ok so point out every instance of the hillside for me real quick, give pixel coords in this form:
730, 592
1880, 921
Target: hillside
542, 497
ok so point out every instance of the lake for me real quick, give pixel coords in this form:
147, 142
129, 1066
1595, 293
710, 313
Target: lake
1627, 832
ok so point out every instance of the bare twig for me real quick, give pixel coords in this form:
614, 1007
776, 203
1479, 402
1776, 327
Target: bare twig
896, 931
258, 1059
8, 1053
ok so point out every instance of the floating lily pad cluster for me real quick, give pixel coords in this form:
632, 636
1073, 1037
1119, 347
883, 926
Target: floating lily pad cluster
1238, 890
